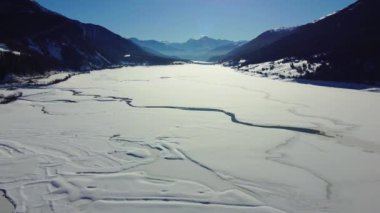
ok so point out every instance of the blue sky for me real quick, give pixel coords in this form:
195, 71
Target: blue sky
179, 20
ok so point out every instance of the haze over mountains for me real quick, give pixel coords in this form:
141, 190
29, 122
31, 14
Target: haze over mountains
44, 40
202, 49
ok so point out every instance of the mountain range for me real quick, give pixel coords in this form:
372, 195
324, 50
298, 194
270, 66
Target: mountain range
346, 44
202, 49
34, 40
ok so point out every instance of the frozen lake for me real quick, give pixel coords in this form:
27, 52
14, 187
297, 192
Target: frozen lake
190, 138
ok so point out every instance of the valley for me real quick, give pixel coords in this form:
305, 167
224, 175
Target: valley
179, 139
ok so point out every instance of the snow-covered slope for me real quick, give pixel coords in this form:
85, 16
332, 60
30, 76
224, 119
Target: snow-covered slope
4, 48
280, 69
44, 40
346, 43
190, 138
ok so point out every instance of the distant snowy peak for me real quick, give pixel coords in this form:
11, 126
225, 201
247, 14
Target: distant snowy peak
206, 42
209, 39
282, 29
349, 8
201, 49
326, 16
277, 32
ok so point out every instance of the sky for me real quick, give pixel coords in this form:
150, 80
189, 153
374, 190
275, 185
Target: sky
179, 20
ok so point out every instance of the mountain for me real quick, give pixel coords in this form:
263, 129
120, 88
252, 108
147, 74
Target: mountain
262, 40
34, 39
346, 44
202, 49
155, 45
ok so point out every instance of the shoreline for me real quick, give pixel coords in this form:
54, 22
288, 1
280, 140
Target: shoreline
321, 83
58, 77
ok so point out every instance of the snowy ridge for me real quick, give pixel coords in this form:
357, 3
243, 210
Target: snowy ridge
326, 16
279, 29
7, 97
4, 48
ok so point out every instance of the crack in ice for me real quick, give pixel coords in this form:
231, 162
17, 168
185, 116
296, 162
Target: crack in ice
231, 115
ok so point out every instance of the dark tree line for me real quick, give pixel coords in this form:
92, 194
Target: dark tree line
23, 64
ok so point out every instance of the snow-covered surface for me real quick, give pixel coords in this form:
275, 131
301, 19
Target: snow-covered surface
280, 68
178, 62
7, 96
283, 29
201, 62
190, 138
5, 205
51, 77
4, 48
326, 16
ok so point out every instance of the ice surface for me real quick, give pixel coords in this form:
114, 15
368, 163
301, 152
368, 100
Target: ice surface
190, 138
5, 205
